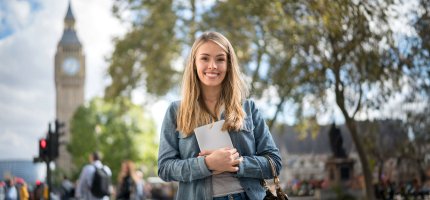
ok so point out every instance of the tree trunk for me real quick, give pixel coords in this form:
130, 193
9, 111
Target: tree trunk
367, 173
278, 109
350, 123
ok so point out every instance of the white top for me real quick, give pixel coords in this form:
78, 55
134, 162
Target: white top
224, 184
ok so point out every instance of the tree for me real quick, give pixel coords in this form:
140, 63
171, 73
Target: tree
330, 46
354, 63
118, 129
415, 57
300, 51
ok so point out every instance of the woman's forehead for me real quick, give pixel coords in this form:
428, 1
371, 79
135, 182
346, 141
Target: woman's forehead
211, 48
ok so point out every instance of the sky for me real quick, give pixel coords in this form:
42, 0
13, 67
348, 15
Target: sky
29, 33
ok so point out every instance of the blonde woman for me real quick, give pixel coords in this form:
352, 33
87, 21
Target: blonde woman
212, 90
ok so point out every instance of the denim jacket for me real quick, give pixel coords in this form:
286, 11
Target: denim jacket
178, 156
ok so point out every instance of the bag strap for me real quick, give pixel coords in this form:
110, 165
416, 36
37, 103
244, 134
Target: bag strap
275, 176
102, 167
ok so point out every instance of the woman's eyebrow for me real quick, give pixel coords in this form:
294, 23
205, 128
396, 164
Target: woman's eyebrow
206, 54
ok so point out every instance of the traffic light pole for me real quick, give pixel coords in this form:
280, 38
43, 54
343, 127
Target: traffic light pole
48, 150
48, 163
48, 177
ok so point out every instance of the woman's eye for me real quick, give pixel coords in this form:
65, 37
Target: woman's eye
204, 58
221, 60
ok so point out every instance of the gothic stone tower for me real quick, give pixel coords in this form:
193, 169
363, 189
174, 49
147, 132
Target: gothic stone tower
69, 83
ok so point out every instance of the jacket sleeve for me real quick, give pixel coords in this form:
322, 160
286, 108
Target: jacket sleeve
257, 166
170, 165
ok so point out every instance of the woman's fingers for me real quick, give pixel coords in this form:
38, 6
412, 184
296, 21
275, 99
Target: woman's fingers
205, 152
221, 160
235, 156
232, 151
237, 161
232, 169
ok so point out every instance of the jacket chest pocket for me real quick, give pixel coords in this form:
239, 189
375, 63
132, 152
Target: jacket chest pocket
188, 146
248, 125
244, 139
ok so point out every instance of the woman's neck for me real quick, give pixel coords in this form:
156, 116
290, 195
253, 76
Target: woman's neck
211, 97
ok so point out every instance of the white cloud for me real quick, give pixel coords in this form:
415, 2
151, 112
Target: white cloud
96, 27
14, 14
20, 11
401, 15
14, 145
27, 90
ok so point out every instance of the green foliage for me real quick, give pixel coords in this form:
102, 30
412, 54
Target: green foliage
291, 50
145, 55
118, 129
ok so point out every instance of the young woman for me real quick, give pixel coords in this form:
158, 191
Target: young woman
213, 90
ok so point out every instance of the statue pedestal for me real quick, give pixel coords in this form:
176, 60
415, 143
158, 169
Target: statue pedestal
339, 170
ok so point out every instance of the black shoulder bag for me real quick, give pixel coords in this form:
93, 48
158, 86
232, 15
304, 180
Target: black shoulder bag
280, 195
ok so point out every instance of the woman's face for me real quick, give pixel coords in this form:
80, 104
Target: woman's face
211, 63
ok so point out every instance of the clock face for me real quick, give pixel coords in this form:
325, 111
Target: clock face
71, 66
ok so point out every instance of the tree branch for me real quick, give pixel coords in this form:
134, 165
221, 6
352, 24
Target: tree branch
278, 109
359, 102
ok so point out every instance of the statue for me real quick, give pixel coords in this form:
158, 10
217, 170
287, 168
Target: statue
336, 142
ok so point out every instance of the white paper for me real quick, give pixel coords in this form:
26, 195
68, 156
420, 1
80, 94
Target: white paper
211, 137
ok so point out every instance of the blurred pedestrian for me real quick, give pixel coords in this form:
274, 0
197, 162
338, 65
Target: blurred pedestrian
11, 192
38, 192
141, 186
130, 186
85, 187
2, 190
22, 188
67, 187
426, 185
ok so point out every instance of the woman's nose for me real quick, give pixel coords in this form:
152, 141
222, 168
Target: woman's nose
212, 65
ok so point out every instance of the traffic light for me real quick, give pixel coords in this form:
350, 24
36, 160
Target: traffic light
59, 127
53, 146
43, 149
54, 139
49, 146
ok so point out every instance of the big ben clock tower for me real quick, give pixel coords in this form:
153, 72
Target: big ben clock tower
69, 82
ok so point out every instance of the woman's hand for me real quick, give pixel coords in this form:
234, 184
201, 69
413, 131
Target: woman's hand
222, 160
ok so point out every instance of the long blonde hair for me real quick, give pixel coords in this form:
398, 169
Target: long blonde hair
193, 111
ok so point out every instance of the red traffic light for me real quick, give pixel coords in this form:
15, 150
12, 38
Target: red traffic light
43, 144
43, 148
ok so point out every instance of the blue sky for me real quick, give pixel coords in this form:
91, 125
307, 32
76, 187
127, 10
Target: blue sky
29, 33
16, 15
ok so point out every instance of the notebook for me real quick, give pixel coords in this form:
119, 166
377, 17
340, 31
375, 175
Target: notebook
211, 137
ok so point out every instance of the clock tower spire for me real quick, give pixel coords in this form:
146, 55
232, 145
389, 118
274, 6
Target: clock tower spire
69, 82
